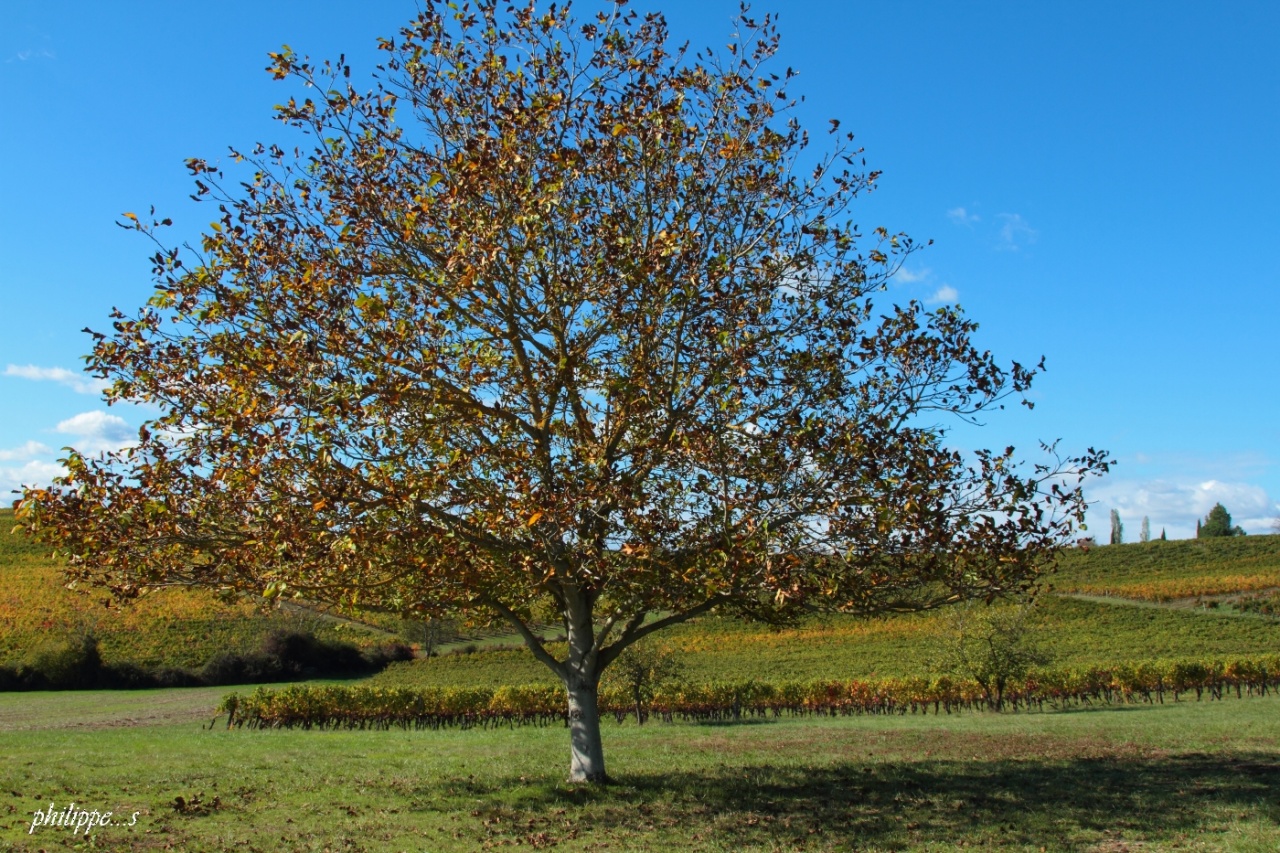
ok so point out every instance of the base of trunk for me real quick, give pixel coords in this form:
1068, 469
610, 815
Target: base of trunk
586, 751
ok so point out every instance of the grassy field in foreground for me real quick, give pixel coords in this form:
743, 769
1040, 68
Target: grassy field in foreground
1191, 776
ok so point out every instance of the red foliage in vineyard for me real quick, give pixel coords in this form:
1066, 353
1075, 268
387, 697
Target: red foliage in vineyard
342, 707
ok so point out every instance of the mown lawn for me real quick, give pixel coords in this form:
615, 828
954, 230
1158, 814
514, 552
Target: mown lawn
1190, 776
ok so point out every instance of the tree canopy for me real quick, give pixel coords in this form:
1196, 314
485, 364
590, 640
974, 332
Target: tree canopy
1217, 523
555, 322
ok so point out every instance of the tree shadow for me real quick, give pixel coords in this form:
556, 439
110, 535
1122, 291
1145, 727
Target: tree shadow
736, 724
1038, 803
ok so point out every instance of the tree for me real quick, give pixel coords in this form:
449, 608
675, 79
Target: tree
993, 645
1117, 529
554, 322
1217, 523
1144, 535
641, 669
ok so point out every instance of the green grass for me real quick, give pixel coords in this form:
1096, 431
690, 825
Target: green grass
1188, 776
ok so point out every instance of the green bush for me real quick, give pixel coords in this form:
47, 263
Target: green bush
74, 664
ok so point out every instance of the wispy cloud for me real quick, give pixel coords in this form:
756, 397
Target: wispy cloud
944, 294
906, 276
961, 216
30, 54
1015, 232
98, 431
78, 382
27, 451
26, 44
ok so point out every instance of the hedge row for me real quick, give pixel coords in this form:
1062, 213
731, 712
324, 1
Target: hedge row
359, 707
76, 664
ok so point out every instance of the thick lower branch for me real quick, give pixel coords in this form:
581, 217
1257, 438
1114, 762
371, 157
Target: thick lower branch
636, 631
530, 639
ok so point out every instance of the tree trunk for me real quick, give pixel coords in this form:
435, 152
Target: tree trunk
581, 672
586, 751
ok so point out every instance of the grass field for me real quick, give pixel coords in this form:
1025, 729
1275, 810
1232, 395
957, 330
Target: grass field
1191, 776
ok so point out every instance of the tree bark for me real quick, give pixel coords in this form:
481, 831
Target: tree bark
581, 673
586, 751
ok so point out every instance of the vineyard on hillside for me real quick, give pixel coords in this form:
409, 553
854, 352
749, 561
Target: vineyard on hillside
1167, 571
172, 627
1075, 633
187, 628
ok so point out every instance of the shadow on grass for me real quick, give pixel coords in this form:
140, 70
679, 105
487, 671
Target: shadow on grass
1055, 805
735, 724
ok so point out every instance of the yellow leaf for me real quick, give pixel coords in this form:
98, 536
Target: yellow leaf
533, 519
618, 128
129, 216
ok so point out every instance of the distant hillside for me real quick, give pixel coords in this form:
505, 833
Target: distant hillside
185, 628
1171, 571
171, 627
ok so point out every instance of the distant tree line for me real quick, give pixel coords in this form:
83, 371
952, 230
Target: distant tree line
1216, 523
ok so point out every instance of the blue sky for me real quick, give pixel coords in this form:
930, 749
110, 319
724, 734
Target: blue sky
1100, 181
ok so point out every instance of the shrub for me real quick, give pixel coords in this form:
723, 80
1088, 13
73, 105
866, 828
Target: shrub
75, 664
69, 664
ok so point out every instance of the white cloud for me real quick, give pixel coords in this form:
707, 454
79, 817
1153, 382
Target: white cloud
906, 276
98, 431
960, 216
944, 294
26, 451
78, 382
1177, 506
34, 473
1015, 232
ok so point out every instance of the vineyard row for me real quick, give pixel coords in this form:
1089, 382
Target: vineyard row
361, 707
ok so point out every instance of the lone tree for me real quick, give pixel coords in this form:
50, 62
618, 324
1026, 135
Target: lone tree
1117, 528
993, 645
1217, 523
555, 320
